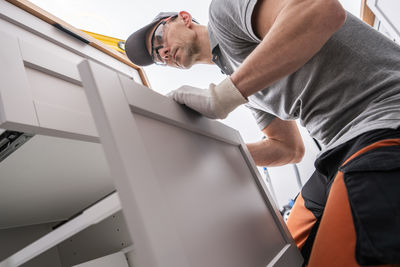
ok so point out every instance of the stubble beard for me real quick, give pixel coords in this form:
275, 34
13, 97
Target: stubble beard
192, 54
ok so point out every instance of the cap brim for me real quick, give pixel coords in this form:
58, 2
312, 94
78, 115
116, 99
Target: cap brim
135, 46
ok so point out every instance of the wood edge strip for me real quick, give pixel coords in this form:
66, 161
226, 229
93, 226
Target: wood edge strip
366, 14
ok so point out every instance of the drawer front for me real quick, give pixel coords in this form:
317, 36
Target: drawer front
43, 91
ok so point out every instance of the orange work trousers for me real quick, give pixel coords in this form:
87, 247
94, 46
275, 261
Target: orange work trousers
339, 233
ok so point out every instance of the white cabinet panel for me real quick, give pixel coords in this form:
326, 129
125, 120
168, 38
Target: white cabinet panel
191, 195
60, 63
60, 105
387, 12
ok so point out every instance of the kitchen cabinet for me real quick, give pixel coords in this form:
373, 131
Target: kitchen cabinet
109, 166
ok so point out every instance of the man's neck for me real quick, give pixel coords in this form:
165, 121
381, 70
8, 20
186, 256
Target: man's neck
203, 39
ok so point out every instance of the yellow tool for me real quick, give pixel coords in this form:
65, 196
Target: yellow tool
112, 42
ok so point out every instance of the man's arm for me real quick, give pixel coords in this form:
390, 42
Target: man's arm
283, 145
292, 31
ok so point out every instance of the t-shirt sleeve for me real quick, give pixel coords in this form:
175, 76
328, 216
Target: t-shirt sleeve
263, 119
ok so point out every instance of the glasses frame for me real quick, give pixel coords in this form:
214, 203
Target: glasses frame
161, 61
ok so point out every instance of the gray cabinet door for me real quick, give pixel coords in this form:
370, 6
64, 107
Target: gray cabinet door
189, 189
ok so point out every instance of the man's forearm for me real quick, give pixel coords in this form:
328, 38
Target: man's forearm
269, 152
299, 31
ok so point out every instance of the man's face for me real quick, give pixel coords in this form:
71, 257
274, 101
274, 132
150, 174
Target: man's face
172, 42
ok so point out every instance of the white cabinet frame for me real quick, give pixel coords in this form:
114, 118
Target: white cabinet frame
114, 101
17, 105
387, 12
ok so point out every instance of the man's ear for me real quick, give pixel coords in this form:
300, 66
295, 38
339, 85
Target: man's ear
186, 17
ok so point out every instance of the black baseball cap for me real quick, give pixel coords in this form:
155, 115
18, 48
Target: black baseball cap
135, 45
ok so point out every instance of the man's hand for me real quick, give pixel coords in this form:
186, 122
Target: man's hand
215, 103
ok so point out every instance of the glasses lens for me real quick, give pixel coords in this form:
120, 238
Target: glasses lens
158, 35
158, 42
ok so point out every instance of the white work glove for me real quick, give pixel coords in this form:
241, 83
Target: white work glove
215, 103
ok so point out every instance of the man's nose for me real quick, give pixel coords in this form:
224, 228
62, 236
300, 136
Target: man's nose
164, 53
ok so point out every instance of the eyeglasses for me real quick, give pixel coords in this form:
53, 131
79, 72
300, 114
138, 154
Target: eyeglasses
157, 41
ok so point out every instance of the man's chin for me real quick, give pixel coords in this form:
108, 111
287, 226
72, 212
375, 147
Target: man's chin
184, 66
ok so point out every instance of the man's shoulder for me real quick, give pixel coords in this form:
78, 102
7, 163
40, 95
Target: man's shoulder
218, 4
218, 9
225, 9
222, 17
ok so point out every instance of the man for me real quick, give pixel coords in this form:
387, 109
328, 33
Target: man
312, 61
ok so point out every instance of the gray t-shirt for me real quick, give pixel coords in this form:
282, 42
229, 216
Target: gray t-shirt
351, 86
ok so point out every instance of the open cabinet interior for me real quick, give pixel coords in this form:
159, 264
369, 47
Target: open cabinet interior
48, 179
45, 183
97, 242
